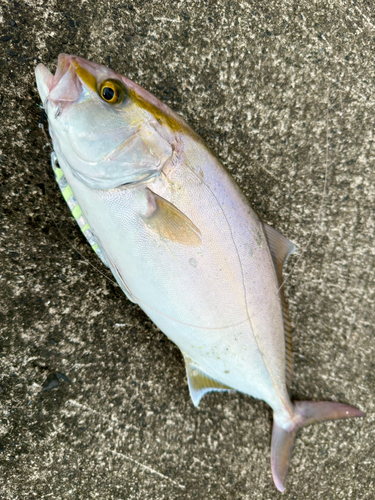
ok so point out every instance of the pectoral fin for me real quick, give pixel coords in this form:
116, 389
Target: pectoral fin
200, 383
170, 223
281, 248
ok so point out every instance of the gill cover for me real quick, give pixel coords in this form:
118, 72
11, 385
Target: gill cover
108, 140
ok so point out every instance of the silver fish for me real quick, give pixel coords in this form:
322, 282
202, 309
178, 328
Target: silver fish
180, 238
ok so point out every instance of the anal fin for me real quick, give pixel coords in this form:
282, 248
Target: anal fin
199, 383
281, 248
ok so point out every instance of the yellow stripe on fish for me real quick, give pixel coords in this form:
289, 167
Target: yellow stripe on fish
88, 78
156, 112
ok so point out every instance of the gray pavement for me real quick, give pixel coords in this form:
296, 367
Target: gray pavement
94, 400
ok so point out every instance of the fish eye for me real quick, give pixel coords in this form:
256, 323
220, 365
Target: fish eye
112, 91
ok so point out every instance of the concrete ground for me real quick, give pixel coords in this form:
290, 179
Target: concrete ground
94, 400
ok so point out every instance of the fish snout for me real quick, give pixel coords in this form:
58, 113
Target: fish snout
73, 75
66, 86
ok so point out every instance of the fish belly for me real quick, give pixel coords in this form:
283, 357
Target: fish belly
218, 300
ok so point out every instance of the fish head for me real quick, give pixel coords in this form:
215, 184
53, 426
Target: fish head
109, 130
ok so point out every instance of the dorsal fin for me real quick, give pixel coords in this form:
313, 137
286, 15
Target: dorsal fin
281, 248
200, 383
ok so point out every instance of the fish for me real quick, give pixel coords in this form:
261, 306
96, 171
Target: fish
161, 211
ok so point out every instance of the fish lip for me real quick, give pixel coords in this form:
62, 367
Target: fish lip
64, 64
44, 80
49, 81
65, 87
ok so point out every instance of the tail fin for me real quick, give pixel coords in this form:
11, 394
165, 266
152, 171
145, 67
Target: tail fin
305, 413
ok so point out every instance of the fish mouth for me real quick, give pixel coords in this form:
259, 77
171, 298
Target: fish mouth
72, 76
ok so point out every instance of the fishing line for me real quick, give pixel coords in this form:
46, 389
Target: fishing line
321, 206
43, 118
79, 253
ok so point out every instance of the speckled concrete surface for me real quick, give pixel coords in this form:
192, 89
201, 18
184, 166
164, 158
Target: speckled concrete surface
94, 401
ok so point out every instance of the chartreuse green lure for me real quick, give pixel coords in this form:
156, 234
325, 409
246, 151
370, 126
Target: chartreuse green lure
75, 209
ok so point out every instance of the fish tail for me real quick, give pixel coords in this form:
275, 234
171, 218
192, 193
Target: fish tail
305, 413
